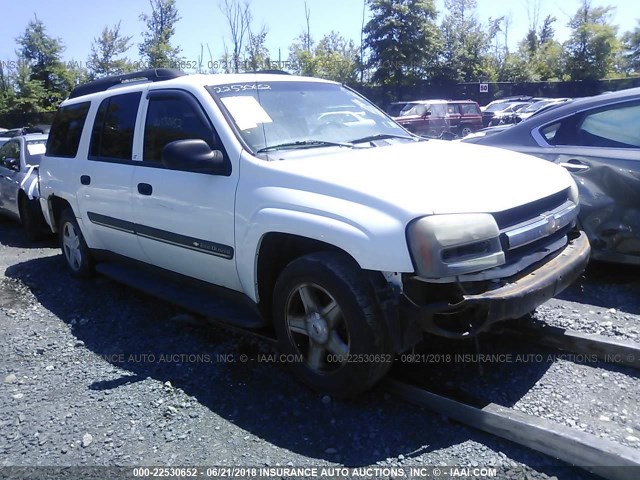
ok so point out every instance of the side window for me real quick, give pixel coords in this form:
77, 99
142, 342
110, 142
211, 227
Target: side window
171, 118
617, 127
469, 109
66, 130
452, 109
112, 135
550, 131
10, 156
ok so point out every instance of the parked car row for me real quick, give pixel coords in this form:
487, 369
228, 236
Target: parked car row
509, 111
6, 134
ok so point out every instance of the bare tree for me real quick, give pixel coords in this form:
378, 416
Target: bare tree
238, 18
307, 15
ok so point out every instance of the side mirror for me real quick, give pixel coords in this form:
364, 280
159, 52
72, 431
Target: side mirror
12, 162
426, 114
194, 156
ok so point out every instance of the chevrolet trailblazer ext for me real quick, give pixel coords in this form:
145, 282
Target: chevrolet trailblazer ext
270, 199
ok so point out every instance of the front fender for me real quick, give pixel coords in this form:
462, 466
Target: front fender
372, 250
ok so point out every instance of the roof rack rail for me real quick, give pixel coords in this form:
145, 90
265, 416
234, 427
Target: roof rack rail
272, 72
102, 84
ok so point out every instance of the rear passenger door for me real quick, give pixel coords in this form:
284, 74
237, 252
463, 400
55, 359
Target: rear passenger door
104, 193
184, 219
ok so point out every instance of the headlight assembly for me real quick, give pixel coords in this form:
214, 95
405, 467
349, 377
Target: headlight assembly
450, 245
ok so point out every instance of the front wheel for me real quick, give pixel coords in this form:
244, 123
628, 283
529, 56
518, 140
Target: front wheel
328, 320
74, 248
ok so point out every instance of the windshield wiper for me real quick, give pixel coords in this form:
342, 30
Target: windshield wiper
306, 144
382, 136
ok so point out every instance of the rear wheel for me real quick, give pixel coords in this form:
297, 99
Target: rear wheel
465, 130
74, 248
330, 325
31, 218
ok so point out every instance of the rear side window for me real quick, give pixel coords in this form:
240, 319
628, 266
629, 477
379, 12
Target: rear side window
170, 119
112, 136
617, 127
66, 130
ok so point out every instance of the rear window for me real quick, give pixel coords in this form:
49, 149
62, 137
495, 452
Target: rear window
67, 129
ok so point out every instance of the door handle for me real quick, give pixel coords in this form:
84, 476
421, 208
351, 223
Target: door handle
574, 165
145, 189
85, 179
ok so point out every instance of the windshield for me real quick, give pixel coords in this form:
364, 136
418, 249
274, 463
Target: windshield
296, 114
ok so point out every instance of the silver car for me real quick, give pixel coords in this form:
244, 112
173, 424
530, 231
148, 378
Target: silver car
19, 160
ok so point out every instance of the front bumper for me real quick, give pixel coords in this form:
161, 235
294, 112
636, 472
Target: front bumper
511, 300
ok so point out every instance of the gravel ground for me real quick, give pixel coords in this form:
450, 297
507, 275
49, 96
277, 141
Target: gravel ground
604, 301
94, 374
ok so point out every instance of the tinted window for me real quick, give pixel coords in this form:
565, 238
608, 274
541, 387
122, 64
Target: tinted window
170, 119
112, 135
67, 129
617, 127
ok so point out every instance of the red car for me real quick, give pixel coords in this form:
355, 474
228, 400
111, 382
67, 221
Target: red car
432, 118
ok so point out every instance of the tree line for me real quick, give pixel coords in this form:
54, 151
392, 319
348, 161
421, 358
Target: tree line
402, 43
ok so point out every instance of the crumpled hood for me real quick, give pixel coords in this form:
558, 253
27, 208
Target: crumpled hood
430, 177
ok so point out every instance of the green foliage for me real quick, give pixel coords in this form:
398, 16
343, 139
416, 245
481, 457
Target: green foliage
41, 75
156, 49
107, 52
593, 45
467, 43
257, 54
631, 46
302, 57
337, 58
333, 58
403, 41
541, 55
30, 93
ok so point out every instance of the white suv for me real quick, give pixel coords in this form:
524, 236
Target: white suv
248, 198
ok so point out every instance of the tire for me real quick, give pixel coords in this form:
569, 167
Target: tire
326, 314
31, 218
465, 130
74, 249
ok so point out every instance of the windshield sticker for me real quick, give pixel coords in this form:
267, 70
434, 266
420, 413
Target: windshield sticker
240, 87
36, 148
246, 111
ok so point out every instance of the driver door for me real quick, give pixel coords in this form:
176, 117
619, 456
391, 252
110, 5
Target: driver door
184, 219
9, 173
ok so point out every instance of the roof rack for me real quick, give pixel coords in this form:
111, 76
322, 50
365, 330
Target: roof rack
102, 84
272, 72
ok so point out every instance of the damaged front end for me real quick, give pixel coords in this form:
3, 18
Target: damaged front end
462, 310
473, 270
